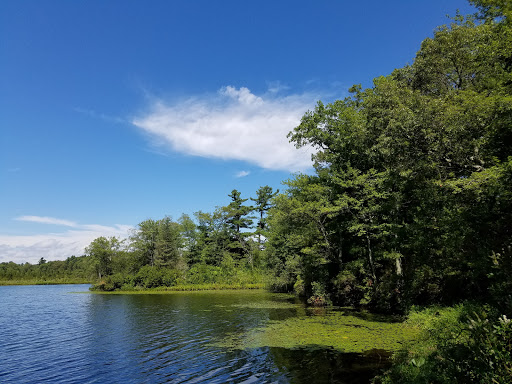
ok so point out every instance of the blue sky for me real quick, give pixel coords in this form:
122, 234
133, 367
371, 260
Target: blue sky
112, 112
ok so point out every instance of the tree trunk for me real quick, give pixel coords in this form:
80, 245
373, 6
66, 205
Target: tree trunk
399, 266
370, 259
340, 251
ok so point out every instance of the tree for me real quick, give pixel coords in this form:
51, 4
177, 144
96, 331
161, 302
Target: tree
237, 218
103, 250
264, 196
213, 238
169, 243
188, 230
143, 242
408, 201
237, 213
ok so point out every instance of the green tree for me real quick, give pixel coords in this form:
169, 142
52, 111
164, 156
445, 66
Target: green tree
168, 244
411, 176
237, 213
188, 230
103, 250
237, 219
143, 242
213, 238
263, 202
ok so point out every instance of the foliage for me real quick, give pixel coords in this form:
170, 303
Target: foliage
72, 270
103, 251
263, 201
462, 344
411, 198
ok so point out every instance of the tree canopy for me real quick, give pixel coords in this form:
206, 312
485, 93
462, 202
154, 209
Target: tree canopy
410, 200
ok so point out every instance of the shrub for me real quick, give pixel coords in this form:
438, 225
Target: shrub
149, 277
278, 283
204, 274
111, 283
170, 277
488, 354
455, 347
299, 287
319, 298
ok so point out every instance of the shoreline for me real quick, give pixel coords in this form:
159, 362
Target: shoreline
187, 288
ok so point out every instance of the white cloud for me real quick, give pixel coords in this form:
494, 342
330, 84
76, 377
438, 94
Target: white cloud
54, 246
47, 220
235, 124
243, 174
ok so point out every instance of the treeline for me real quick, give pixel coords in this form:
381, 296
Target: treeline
72, 270
411, 201
222, 247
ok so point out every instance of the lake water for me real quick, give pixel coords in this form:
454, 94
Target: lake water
51, 334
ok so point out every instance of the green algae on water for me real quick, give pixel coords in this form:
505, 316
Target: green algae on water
334, 329
268, 304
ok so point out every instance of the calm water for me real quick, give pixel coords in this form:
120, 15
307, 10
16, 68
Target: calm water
48, 334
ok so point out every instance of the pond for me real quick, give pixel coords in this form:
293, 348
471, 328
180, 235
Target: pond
57, 334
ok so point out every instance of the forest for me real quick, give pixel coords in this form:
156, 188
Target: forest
408, 211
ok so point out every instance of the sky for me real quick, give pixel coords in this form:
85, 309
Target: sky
113, 112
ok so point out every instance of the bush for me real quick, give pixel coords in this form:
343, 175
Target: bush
299, 287
455, 347
278, 284
153, 277
111, 283
149, 277
170, 277
204, 274
351, 288
319, 298
488, 355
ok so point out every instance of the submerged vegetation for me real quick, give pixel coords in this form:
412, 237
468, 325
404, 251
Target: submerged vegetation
343, 331
410, 205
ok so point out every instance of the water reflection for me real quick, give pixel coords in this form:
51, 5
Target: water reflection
325, 365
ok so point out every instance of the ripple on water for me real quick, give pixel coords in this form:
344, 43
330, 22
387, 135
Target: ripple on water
50, 335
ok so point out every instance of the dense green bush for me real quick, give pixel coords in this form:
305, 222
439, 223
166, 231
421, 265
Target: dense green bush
146, 277
487, 356
347, 290
152, 277
460, 344
203, 273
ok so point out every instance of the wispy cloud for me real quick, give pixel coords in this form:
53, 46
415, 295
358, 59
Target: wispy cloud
101, 116
55, 245
243, 174
47, 220
234, 124
276, 86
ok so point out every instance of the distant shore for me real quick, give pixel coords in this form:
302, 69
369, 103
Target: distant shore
44, 282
